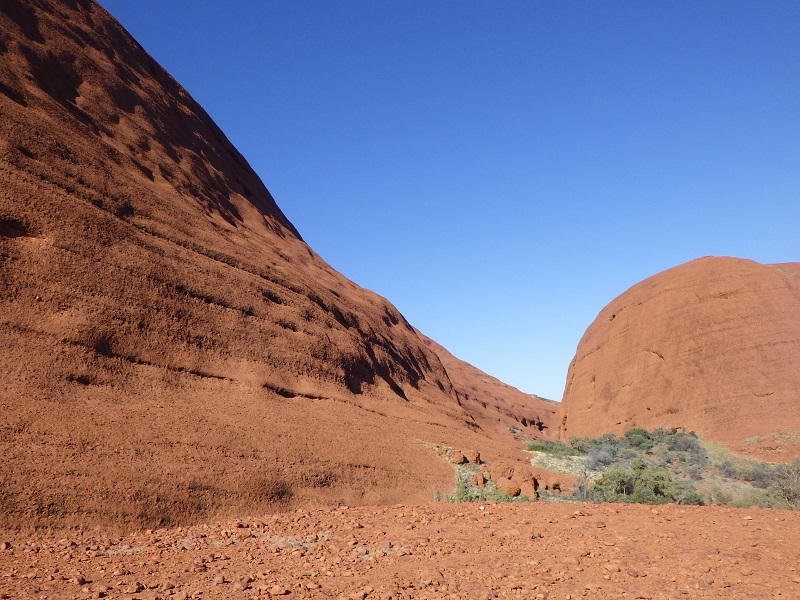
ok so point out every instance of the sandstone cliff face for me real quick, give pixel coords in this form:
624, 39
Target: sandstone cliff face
169, 346
712, 345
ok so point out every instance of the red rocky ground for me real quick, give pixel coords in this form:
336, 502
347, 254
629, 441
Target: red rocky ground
538, 550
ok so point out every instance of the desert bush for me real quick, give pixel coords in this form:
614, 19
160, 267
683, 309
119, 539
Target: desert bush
720, 496
661, 466
728, 469
683, 443
582, 490
786, 487
761, 475
660, 435
466, 493
695, 472
662, 462
698, 456
551, 447
615, 483
687, 494
754, 498
608, 442
598, 459
461, 494
612, 448
639, 438
580, 444
642, 483
652, 485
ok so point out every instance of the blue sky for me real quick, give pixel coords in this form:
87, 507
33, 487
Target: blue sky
500, 171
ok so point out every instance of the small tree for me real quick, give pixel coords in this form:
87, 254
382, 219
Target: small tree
653, 486
583, 487
616, 485
640, 482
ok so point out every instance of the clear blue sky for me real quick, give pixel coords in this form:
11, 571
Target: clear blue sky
500, 171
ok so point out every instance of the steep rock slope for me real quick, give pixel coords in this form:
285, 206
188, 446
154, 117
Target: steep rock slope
170, 348
712, 345
493, 405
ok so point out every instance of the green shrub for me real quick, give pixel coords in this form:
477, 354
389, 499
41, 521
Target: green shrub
551, 447
720, 496
641, 483
615, 483
728, 469
662, 465
626, 454
608, 442
580, 444
466, 493
612, 448
639, 438
695, 472
639, 431
652, 484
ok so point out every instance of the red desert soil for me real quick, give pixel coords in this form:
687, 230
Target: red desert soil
712, 345
170, 348
470, 551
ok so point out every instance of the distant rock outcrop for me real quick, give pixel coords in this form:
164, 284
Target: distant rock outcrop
170, 348
712, 345
494, 407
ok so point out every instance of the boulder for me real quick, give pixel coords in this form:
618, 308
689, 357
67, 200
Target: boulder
477, 479
507, 486
473, 456
501, 470
458, 458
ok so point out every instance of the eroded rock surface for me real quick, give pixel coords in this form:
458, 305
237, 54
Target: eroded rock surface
170, 348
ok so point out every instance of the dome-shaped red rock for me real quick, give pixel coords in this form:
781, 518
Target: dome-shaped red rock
712, 345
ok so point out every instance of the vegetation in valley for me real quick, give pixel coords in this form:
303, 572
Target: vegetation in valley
470, 493
466, 467
663, 466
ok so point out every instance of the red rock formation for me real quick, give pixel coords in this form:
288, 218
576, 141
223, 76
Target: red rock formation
712, 345
493, 406
170, 348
